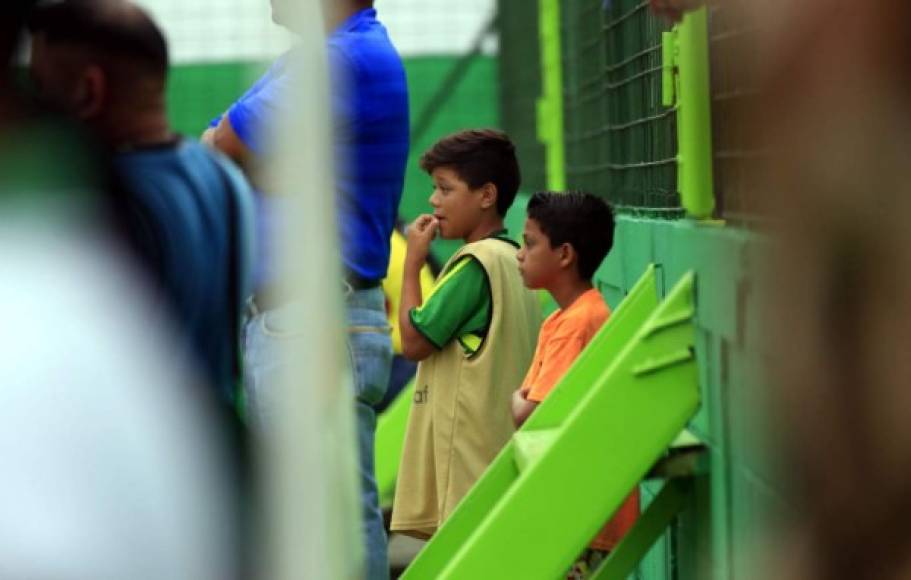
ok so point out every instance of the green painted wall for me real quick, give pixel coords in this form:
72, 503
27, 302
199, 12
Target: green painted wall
198, 93
733, 505
473, 103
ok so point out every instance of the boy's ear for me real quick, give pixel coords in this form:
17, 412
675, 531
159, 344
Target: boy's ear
567, 255
488, 195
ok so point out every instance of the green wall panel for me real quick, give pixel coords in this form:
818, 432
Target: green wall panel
197, 93
736, 500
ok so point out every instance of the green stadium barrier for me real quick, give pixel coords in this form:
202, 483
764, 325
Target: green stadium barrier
578, 456
390, 438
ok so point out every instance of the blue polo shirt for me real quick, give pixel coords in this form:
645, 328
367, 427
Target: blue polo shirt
369, 96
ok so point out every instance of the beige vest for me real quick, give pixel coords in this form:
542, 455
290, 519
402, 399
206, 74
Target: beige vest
461, 412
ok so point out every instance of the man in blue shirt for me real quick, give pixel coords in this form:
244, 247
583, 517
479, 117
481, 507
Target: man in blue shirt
189, 209
371, 132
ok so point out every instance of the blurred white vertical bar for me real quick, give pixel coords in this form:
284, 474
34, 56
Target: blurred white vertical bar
312, 499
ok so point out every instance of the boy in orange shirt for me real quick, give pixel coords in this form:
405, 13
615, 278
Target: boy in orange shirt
566, 237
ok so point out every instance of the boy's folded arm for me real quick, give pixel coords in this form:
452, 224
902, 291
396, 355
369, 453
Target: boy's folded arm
559, 354
522, 407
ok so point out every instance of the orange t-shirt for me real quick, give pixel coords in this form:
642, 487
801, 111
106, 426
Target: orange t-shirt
563, 336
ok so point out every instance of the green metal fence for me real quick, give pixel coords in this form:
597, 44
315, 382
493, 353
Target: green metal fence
520, 86
620, 141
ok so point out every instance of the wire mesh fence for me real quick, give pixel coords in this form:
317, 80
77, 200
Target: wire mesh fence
621, 142
520, 86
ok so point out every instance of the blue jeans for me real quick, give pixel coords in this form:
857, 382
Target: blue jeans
370, 347
370, 351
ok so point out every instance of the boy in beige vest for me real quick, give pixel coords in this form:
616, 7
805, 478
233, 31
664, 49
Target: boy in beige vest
474, 333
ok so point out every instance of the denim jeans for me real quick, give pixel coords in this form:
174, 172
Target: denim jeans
370, 347
370, 351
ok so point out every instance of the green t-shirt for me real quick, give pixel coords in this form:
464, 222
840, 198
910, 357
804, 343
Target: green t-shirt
459, 306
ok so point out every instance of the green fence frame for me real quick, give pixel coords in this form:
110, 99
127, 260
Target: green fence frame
550, 107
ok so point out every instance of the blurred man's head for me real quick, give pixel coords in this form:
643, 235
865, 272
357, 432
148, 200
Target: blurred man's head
96, 59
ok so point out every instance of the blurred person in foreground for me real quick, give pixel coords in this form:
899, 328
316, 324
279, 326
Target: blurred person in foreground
674, 9
104, 62
836, 116
112, 466
369, 109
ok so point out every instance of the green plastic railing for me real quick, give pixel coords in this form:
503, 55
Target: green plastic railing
390, 438
581, 452
687, 49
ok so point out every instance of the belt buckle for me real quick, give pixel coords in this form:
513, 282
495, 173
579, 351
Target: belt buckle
347, 288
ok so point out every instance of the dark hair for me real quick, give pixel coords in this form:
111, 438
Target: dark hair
479, 156
115, 30
580, 219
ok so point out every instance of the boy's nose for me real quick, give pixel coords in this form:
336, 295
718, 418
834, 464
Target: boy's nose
434, 199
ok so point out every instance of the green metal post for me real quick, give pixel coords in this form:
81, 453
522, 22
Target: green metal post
651, 524
694, 174
550, 106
